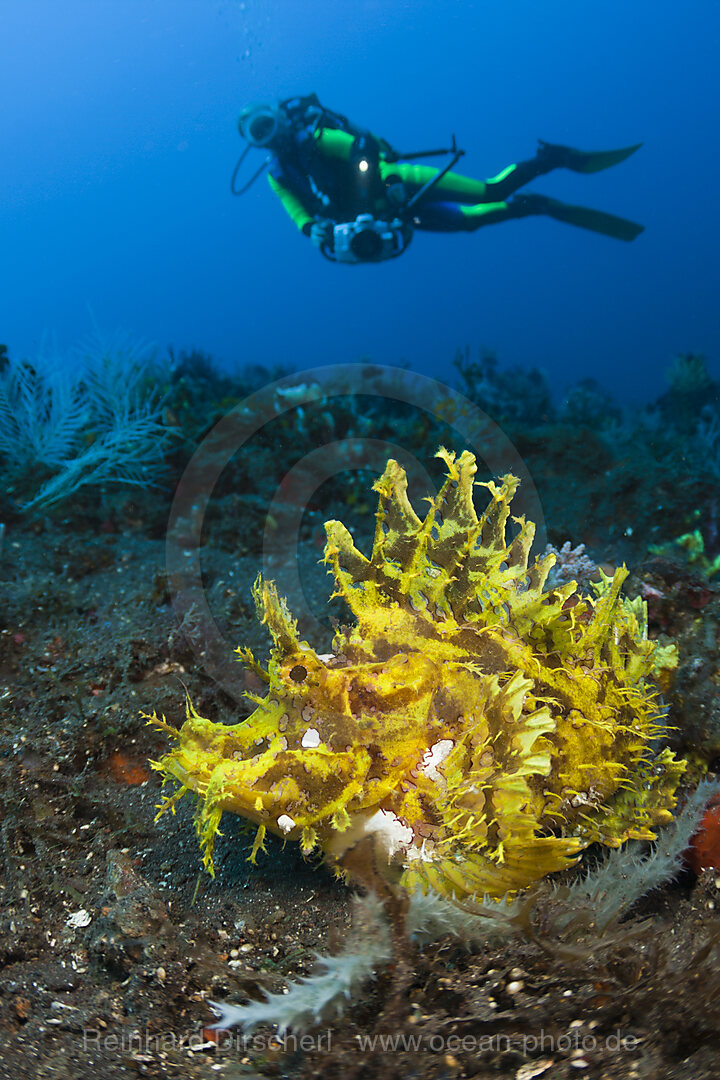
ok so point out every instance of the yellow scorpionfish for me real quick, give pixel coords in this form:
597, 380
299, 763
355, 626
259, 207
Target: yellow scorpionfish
478, 731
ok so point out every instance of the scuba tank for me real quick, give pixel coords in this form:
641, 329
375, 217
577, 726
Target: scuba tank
369, 239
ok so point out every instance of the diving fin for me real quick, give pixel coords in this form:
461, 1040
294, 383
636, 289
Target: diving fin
586, 161
594, 220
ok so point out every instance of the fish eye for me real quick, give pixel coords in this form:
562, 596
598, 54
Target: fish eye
298, 673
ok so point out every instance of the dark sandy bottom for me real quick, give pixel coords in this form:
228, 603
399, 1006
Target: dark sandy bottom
113, 940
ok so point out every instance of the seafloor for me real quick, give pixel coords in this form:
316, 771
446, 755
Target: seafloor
113, 940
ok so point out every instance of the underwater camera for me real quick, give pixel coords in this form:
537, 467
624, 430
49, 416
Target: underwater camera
368, 240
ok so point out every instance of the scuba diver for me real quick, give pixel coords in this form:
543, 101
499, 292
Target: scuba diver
360, 201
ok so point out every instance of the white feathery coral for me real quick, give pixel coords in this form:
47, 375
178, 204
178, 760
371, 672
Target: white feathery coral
606, 891
623, 877
92, 420
340, 977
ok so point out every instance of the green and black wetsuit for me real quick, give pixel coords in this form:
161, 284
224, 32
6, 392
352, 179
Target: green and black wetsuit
328, 173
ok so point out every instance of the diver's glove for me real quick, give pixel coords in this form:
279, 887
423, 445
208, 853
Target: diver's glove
321, 233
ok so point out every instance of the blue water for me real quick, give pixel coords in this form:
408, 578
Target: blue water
119, 136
